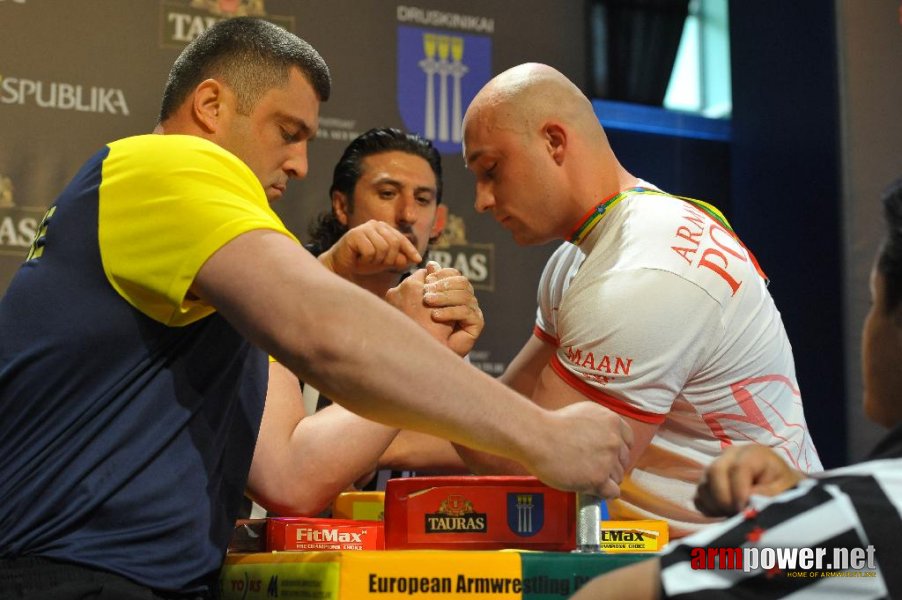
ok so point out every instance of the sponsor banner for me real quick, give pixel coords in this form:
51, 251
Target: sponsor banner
182, 21
427, 574
18, 224
482, 360
17, 228
281, 575
431, 574
439, 73
546, 579
18, 90
475, 261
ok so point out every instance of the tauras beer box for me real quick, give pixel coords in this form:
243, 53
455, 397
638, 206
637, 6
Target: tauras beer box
300, 533
478, 513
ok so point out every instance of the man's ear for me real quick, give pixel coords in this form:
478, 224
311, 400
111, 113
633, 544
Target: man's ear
340, 207
438, 226
555, 138
207, 104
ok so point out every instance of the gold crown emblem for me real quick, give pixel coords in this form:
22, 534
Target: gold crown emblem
455, 506
454, 233
231, 8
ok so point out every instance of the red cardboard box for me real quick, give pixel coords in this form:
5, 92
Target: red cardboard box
478, 513
301, 533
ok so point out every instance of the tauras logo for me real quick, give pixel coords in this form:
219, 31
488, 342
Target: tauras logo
17, 224
62, 96
305, 534
183, 21
16, 231
456, 515
474, 261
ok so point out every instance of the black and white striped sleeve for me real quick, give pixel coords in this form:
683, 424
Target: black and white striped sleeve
854, 507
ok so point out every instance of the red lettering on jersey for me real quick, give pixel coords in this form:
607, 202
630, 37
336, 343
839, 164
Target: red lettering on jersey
719, 269
695, 216
714, 258
605, 364
600, 379
601, 367
729, 245
684, 252
683, 232
574, 355
622, 366
693, 236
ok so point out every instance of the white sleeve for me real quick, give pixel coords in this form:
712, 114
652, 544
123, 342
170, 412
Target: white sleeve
635, 337
556, 276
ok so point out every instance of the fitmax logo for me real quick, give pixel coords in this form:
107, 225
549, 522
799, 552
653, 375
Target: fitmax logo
305, 534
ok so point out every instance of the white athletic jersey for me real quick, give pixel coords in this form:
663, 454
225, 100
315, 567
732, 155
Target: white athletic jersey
661, 315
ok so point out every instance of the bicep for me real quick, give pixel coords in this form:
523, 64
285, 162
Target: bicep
552, 392
281, 299
522, 373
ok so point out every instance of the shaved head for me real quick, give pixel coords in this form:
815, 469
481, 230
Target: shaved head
524, 97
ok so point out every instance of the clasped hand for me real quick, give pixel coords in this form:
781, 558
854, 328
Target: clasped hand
443, 302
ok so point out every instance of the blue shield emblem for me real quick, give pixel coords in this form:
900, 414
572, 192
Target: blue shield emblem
525, 513
439, 73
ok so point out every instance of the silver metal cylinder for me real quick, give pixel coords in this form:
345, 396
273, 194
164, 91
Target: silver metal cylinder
588, 523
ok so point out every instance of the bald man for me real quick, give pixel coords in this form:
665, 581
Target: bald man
652, 306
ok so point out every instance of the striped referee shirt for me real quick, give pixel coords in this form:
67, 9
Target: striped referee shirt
841, 513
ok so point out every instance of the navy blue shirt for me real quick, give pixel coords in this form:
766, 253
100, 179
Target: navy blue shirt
125, 443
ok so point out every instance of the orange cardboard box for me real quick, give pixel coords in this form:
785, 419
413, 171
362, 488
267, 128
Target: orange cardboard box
301, 533
478, 513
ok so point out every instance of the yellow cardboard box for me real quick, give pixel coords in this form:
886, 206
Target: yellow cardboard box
634, 536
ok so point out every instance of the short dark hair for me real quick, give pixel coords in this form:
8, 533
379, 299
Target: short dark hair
249, 55
326, 230
889, 261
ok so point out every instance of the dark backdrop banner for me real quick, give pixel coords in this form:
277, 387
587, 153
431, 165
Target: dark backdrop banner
75, 75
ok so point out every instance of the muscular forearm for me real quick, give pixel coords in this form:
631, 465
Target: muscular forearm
302, 462
414, 451
358, 350
483, 463
369, 357
331, 449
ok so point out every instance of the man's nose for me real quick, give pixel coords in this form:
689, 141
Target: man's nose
485, 198
407, 210
296, 165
